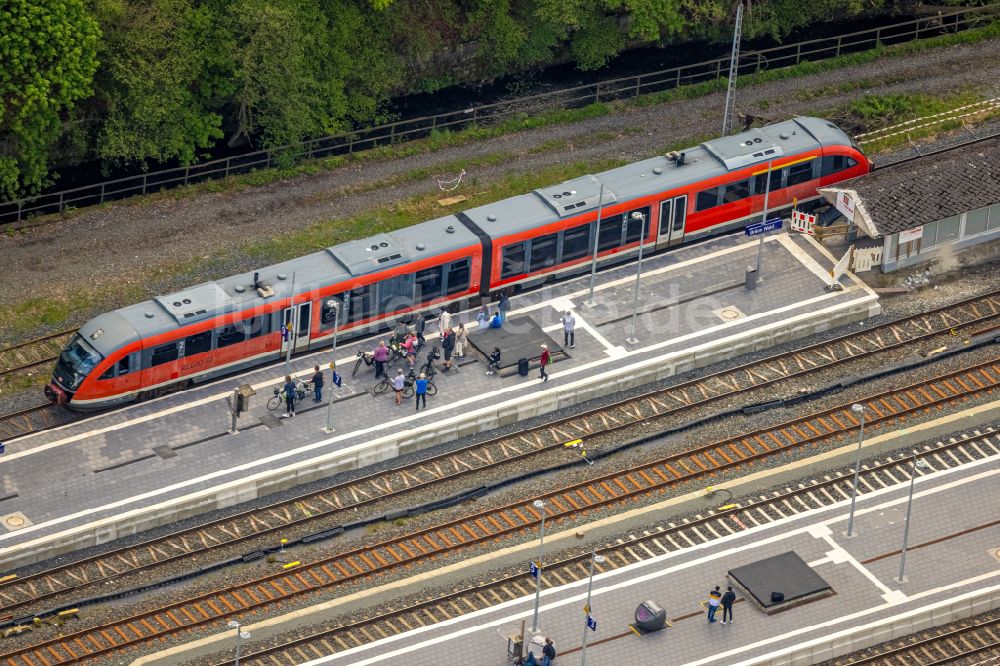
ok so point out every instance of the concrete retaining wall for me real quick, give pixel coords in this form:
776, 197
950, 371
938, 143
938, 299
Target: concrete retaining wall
392, 446
892, 628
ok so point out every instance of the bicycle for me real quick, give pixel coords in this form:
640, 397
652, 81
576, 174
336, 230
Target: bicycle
278, 399
367, 358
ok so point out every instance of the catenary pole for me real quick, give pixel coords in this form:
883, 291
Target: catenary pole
540, 505
859, 410
597, 228
333, 367
638, 274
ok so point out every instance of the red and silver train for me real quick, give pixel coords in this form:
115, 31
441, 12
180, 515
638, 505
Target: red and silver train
220, 327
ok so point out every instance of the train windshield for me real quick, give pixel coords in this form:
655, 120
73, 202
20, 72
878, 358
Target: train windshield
78, 359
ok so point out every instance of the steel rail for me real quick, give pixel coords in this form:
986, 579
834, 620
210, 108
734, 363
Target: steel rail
325, 638
905, 653
488, 526
19, 350
19, 592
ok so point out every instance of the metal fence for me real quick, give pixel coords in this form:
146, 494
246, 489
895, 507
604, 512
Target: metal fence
750, 62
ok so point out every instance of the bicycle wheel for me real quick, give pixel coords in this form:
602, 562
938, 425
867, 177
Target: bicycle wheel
381, 387
357, 366
274, 402
407, 391
431, 389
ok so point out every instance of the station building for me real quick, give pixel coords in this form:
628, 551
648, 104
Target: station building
926, 209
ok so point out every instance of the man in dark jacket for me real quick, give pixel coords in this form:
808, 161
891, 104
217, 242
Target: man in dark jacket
317, 382
548, 652
448, 345
727, 605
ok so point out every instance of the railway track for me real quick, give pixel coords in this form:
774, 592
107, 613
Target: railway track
32, 419
33, 353
282, 518
489, 526
636, 547
948, 646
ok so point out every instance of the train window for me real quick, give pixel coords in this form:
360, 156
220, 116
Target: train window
633, 232
800, 173
231, 335
576, 243
328, 315
123, 366
543, 252
198, 343
680, 213
458, 276
513, 260
164, 354
832, 164
109, 373
395, 293
609, 235
429, 284
707, 199
361, 303
760, 184
258, 326
736, 191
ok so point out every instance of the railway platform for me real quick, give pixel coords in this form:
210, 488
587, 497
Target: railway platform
157, 462
951, 572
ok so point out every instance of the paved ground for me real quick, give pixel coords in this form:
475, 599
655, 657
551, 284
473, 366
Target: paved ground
951, 559
152, 455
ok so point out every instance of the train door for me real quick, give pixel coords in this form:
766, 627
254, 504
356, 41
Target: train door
300, 325
673, 213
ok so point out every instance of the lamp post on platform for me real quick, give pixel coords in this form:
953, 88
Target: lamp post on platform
594, 559
860, 411
540, 505
597, 228
637, 215
333, 367
240, 635
906, 526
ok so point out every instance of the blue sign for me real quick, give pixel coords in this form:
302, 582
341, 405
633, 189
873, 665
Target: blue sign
592, 623
533, 570
337, 379
761, 227
284, 332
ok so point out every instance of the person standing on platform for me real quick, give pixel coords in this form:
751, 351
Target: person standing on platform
420, 326
448, 345
727, 605
289, 390
548, 653
410, 348
503, 306
713, 603
444, 322
381, 355
398, 383
461, 339
543, 361
569, 326
420, 388
317, 382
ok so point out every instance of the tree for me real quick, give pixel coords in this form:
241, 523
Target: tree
47, 63
156, 81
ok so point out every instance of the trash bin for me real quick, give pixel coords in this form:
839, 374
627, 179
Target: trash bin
751, 278
649, 616
522, 367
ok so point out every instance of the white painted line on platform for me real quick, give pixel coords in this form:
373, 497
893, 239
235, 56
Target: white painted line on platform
804, 257
862, 569
586, 370
714, 553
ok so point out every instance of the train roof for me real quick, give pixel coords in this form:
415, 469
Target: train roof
656, 174
337, 263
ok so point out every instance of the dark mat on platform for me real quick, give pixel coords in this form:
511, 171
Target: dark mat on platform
520, 337
787, 574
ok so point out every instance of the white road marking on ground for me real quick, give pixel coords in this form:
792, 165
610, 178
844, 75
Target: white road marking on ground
862, 569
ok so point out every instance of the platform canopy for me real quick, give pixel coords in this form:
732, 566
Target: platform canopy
904, 196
